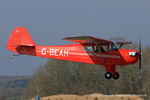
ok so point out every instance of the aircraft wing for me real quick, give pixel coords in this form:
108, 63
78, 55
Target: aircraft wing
124, 42
90, 39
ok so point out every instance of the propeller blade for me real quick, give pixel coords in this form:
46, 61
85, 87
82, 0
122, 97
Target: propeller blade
140, 54
140, 61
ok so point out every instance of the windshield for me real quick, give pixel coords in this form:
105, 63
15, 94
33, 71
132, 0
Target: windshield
114, 46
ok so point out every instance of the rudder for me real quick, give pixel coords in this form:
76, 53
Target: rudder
19, 37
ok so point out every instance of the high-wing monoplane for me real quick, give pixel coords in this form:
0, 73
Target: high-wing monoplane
87, 49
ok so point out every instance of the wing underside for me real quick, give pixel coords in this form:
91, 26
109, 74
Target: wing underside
91, 40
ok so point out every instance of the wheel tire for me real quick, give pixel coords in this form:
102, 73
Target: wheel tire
116, 76
108, 75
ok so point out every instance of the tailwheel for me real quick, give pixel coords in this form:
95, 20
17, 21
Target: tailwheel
116, 76
108, 75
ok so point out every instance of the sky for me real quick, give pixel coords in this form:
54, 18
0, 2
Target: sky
48, 21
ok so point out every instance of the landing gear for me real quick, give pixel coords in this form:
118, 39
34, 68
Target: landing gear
116, 76
111, 72
109, 75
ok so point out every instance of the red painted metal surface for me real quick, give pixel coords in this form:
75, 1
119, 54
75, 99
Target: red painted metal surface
21, 42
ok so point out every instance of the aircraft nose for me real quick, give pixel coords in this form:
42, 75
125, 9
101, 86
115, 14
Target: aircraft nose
129, 56
133, 54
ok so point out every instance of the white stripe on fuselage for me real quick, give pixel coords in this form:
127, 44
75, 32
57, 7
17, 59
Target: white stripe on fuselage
65, 52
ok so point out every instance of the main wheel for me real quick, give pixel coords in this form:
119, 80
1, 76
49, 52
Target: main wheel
116, 76
108, 75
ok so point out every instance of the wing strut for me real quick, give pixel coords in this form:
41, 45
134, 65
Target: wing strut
100, 52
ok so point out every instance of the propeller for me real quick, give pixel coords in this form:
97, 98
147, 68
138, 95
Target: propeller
140, 54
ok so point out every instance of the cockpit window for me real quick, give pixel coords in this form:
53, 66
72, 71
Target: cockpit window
94, 48
105, 47
88, 48
101, 48
113, 47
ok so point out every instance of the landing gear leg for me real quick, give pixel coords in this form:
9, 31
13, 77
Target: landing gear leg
115, 74
111, 72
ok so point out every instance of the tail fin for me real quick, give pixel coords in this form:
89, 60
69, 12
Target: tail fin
19, 37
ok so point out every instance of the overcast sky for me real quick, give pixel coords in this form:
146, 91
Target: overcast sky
48, 21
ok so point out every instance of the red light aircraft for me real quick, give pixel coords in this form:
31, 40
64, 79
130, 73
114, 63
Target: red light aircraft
86, 50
